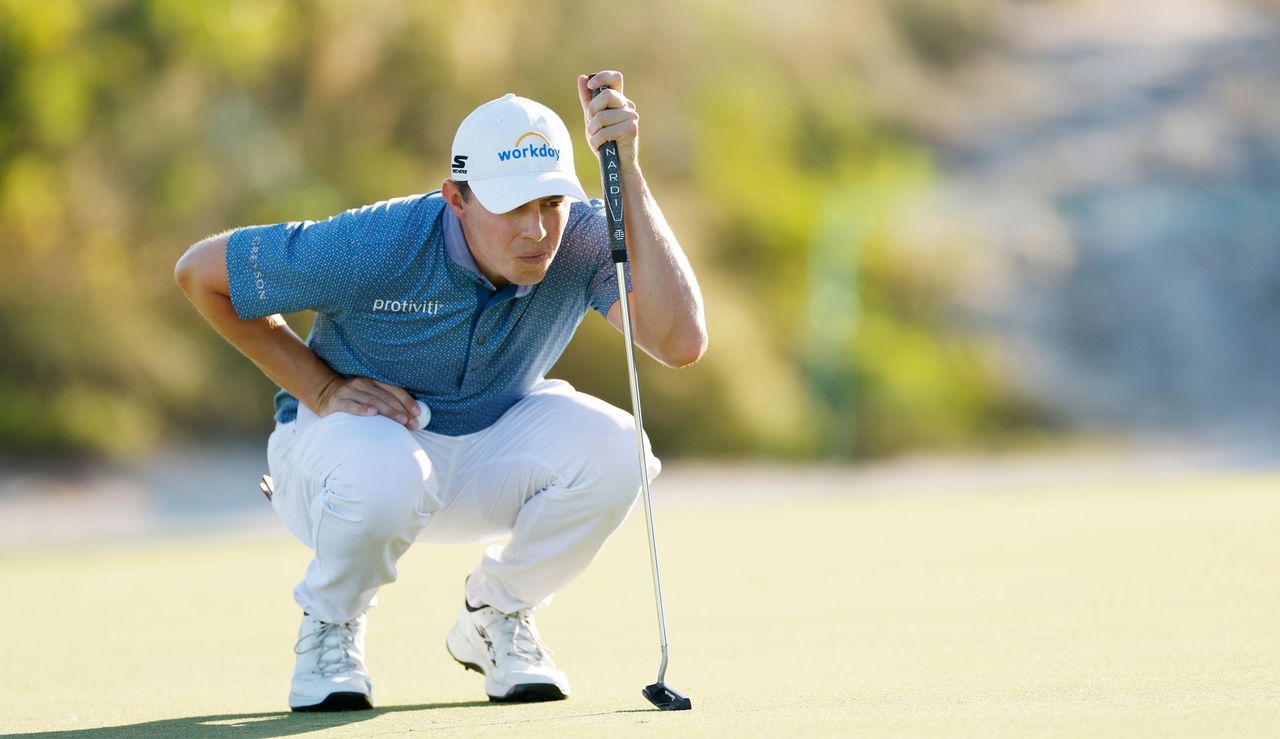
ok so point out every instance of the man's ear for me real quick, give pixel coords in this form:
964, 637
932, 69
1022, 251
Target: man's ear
453, 196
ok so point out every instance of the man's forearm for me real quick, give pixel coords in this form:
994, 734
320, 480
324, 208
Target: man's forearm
670, 322
272, 346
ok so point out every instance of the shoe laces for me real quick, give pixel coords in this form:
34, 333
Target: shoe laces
335, 644
521, 636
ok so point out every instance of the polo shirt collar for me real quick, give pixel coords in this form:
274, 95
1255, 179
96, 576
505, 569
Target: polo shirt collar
455, 245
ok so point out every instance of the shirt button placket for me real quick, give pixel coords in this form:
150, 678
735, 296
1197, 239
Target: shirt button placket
480, 337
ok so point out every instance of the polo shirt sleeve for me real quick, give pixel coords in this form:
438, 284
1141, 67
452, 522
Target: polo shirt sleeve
593, 229
315, 265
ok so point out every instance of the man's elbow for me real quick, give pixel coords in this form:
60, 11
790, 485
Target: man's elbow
184, 272
201, 266
687, 350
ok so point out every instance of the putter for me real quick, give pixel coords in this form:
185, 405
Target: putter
659, 694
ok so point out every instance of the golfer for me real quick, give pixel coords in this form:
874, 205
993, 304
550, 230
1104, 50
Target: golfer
418, 407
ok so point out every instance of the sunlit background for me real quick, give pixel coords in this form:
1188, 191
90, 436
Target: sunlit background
920, 225
985, 442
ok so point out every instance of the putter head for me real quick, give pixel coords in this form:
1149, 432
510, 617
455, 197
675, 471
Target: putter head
666, 698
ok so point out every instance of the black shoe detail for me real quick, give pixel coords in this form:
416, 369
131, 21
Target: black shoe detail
349, 701
469, 665
524, 693
530, 693
471, 608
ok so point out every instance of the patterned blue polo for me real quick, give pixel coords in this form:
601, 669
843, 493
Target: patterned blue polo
398, 298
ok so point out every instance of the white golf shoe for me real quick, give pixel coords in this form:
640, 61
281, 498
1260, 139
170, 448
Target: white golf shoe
506, 649
330, 674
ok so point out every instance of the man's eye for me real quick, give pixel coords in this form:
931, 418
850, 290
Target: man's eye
553, 203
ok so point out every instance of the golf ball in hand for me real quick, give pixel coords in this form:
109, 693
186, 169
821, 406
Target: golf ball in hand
424, 417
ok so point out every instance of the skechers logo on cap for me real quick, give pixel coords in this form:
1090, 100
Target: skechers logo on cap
532, 149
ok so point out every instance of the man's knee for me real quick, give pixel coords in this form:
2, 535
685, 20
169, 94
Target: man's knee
595, 449
380, 482
613, 456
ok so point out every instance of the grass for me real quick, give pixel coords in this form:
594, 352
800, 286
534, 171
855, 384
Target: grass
1150, 610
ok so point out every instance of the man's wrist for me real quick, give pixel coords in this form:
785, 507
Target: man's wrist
633, 178
320, 396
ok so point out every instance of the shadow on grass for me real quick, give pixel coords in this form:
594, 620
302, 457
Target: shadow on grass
287, 723
245, 725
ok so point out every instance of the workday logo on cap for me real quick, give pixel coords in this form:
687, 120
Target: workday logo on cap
513, 150
531, 150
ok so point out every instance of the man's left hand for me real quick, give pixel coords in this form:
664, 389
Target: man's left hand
610, 116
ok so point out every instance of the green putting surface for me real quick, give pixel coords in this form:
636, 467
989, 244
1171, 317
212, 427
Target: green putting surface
1146, 609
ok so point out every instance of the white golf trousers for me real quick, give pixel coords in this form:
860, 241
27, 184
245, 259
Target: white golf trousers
558, 472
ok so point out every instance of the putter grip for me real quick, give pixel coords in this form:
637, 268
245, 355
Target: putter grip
611, 183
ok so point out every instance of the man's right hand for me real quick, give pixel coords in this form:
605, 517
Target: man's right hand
362, 396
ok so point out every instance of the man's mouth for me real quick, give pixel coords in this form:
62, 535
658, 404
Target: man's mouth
533, 258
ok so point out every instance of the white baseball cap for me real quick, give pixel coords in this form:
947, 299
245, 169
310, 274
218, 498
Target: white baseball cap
513, 150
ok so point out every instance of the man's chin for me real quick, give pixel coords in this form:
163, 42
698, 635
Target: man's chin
528, 277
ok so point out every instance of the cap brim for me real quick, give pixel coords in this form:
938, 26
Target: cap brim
502, 194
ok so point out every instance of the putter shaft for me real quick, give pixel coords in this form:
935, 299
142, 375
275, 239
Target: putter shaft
644, 462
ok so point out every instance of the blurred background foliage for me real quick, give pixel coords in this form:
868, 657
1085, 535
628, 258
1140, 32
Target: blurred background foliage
789, 143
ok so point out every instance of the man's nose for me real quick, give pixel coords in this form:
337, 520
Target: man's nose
531, 225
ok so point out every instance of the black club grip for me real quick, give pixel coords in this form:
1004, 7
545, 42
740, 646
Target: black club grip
611, 183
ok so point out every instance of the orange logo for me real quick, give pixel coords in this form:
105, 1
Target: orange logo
531, 133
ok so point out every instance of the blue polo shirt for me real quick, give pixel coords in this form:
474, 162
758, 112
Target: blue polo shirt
398, 298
